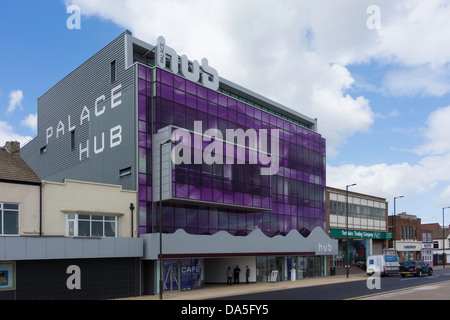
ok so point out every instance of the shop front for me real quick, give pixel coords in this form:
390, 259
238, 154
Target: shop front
409, 250
360, 245
427, 253
183, 274
289, 268
191, 261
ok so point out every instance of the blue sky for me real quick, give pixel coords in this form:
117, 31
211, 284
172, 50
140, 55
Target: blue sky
381, 94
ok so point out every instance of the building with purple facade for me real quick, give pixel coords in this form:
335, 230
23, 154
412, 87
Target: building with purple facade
225, 177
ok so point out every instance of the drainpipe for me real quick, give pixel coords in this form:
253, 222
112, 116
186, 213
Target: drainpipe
132, 222
40, 209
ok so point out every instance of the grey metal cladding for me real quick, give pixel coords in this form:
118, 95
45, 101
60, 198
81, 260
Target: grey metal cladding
82, 87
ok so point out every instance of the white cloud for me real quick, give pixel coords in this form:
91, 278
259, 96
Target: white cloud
437, 134
15, 100
443, 199
421, 80
7, 133
279, 53
31, 122
392, 180
298, 54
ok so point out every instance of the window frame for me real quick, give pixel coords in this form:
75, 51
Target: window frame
2, 218
113, 68
75, 219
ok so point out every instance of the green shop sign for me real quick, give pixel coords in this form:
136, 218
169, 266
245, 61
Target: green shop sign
339, 233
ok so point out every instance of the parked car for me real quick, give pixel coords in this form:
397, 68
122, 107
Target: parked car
415, 268
384, 264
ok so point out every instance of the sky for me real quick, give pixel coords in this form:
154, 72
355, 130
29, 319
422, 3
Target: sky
374, 73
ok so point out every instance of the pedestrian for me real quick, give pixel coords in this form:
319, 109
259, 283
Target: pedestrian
247, 274
229, 275
236, 274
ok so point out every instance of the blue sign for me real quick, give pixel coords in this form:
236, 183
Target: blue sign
391, 258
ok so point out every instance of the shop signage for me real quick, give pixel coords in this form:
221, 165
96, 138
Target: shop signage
192, 71
340, 233
408, 246
3, 278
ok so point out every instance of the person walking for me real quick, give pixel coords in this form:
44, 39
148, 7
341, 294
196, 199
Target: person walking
247, 274
236, 274
229, 275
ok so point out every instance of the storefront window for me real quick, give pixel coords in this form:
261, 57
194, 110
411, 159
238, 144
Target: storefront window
305, 267
7, 276
184, 274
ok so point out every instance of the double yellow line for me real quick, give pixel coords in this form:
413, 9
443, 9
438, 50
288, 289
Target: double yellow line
397, 290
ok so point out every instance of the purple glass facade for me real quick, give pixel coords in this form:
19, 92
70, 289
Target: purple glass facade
294, 198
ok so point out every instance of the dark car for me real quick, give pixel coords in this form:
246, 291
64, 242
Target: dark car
415, 268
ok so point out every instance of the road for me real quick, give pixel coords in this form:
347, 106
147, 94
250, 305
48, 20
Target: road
394, 286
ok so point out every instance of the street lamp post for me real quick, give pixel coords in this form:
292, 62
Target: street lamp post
161, 276
443, 237
346, 209
393, 224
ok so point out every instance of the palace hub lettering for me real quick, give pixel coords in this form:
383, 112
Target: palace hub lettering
97, 145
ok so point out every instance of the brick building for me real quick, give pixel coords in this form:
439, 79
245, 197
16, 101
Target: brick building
407, 236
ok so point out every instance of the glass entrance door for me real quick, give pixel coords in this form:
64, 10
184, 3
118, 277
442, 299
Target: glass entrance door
171, 276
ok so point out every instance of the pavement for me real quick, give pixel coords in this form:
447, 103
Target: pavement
432, 291
211, 291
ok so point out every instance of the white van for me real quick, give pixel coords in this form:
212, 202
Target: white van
384, 264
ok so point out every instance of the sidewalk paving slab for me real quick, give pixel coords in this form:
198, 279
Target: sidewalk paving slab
211, 291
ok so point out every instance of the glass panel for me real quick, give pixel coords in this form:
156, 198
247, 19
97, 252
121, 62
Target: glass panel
110, 229
71, 228
10, 206
84, 217
97, 217
84, 229
11, 222
97, 229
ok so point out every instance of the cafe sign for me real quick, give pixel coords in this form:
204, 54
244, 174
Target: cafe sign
340, 233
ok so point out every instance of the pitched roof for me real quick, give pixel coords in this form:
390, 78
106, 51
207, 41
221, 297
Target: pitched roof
437, 234
14, 169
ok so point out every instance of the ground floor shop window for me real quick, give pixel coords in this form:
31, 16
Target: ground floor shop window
409, 255
427, 254
7, 276
265, 266
183, 274
357, 253
303, 266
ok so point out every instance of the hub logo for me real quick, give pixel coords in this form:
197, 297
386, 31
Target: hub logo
193, 71
325, 247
